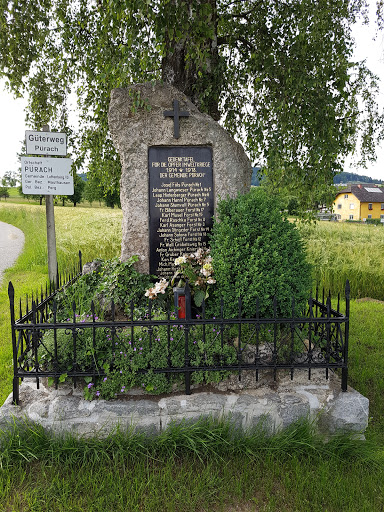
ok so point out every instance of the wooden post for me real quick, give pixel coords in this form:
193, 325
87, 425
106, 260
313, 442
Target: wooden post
51, 233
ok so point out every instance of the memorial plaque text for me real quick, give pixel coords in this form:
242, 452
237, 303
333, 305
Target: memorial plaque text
180, 203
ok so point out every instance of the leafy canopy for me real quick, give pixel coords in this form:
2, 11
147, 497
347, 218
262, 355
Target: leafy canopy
279, 74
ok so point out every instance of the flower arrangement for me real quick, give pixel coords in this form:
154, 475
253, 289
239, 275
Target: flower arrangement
197, 268
159, 287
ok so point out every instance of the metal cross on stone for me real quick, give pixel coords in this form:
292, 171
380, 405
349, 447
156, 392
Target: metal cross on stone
176, 114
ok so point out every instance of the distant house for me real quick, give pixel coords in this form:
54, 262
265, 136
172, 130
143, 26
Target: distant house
360, 202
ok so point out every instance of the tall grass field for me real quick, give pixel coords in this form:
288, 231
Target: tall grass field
208, 467
340, 251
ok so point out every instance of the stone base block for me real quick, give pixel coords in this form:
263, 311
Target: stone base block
272, 407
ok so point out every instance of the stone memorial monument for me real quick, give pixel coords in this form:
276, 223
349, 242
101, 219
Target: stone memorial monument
176, 164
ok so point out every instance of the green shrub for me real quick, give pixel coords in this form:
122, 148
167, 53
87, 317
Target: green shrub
112, 281
257, 253
375, 222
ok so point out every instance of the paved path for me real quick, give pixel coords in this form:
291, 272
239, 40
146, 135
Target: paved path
11, 245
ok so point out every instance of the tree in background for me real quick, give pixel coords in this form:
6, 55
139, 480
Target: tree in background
4, 192
94, 191
277, 73
29, 196
9, 179
78, 190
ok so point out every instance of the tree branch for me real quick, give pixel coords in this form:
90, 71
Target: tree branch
259, 2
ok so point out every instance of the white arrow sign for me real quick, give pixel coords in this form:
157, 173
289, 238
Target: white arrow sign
46, 143
46, 176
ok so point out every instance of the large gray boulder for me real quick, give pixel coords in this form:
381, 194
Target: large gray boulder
135, 129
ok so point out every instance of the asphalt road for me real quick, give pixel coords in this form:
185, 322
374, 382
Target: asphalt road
11, 245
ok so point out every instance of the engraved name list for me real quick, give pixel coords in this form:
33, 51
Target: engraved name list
180, 203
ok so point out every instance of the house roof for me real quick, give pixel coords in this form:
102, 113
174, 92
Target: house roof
365, 193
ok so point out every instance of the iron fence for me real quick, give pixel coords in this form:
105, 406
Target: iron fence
43, 346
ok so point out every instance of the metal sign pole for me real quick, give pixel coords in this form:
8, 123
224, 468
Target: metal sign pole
51, 233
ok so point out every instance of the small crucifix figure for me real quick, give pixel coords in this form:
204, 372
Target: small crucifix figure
176, 114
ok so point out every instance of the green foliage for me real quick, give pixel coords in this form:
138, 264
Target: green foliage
9, 179
138, 102
375, 222
96, 190
257, 254
4, 192
120, 282
290, 198
113, 280
292, 206
205, 466
78, 185
124, 356
278, 74
27, 196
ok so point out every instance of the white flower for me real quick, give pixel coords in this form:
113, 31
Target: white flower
210, 280
151, 293
199, 254
159, 287
206, 269
180, 260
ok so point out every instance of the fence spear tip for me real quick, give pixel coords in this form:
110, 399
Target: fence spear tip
11, 290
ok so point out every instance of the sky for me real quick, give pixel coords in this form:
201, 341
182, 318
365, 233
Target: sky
12, 125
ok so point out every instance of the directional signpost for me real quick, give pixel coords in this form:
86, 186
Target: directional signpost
46, 143
47, 176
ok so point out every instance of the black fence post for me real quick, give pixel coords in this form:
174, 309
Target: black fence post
35, 341
274, 353
74, 341
311, 315
11, 295
257, 357
57, 277
187, 359
292, 355
55, 363
344, 371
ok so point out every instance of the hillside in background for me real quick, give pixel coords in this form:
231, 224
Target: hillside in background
343, 177
351, 177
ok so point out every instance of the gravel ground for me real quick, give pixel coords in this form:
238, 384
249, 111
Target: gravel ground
11, 245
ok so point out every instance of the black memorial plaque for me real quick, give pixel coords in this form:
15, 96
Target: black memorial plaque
180, 203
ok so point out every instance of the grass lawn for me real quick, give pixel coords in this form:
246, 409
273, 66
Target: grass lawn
201, 469
16, 198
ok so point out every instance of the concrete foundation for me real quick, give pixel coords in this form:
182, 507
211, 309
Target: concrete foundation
276, 405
